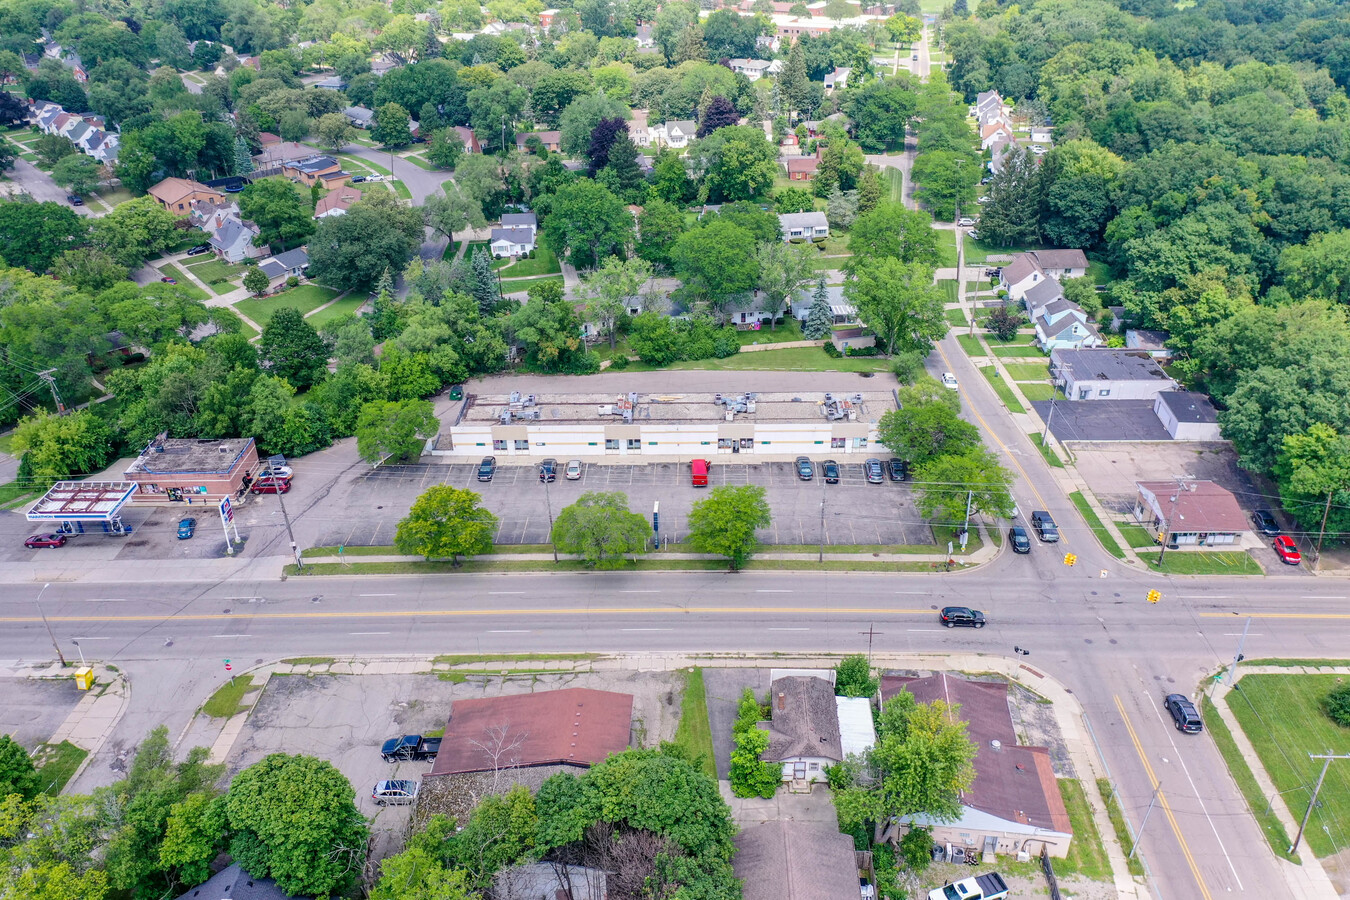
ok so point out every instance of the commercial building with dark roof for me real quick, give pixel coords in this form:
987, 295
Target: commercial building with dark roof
1109, 374
1187, 416
191, 470
1014, 802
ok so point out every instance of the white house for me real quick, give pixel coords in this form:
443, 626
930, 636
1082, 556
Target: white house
837, 79
512, 241
755, 69
803, 226
675, 135
1103, 374
1029, 269
285, 265
1059, 322
525, 219
803, 727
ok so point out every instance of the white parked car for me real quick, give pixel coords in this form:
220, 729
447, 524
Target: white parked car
985, 199
573, 469
949, 381
973, 234
965, 222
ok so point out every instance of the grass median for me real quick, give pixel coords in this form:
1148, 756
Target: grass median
1005, 393
649, 564
1095, 523
56, 764
1257, 803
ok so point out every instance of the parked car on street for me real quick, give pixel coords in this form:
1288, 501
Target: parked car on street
186, 528
573, 470
1184, 714
1286, 551
898, 469
487, 468
168, 280
394, 793
830, 470
965, 222
806, 470
1017, 537
74, 200
875, 474
1265, 522
45, 540
358, 179
953, 616
548, 471
949, 381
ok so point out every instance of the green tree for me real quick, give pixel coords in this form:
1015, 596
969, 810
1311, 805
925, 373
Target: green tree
890, 230
1012, 215
392, 126
394, 430
377, 234
1320, 268
725, 521
924, 431
899, 303
588, 223
445, 148
500, 832
194, 835
820, 317
783, 268
621, 173
243, 157
659, 225
256, 281
737, 162
78, 173
716, 261
52, 148
793, 200
334, 131
56, 448
670, 178
1312, 466
853, 677
601, 529
580, 118
609, 290
135, 231
284, 218
17, 774
793, 83
749, 775
446, 522
451, 211
946, 179
32, 235
947, 483
291, 349
418, 874
551, 332
294, 819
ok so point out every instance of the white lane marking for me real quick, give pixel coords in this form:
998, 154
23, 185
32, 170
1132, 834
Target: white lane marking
911, 592
925, 630
510, 631
1324, 598
1194, 790
377, 595
639, 592
772, 591
91, 639
490, 593
1239, 634
644, 629
789, 629
1208, 597
359, 633
231, 635
104, 600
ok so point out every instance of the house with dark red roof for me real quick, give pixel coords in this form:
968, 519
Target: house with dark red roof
1014, 802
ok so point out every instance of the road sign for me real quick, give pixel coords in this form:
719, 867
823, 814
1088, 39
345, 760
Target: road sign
226, 510
228, 667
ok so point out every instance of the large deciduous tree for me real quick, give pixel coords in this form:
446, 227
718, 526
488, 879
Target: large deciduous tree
135, 231
292, 349
587, 223
394, 430
716, 261
377, 234
451, 210
725, 521
972, 480
17, 774
54, 448
610, 289
446, 522
899, 302
890, 230
32, 235
284, 217
921, 432
601, 529
392, 126
738, 163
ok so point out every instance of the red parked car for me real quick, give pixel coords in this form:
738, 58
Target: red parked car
271, 485
167, 280
45, 540
1285, 549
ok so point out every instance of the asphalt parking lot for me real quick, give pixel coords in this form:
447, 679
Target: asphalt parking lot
35, 707
855, 512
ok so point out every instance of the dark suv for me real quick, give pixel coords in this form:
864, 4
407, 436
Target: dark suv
962, 615
830, 469
1265, 522
898, 469
1017, 536
487, 468
548, 471
1184, 714
1045, 526
805, 468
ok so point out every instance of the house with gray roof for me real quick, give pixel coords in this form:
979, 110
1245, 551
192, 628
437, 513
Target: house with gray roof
233, 883
1187, 416
359, 116
1029, 269
511, 241
804, 226
1060, 323
789, 860
841, 310
285, 265
803, 728
1103, 374
676, 135
521, 220
233, 241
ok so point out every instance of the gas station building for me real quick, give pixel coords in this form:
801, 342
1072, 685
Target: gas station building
176, 470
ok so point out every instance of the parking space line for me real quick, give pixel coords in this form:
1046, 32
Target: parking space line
364, 633
377, 595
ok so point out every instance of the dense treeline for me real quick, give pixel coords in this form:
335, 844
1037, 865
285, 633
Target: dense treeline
1204, 153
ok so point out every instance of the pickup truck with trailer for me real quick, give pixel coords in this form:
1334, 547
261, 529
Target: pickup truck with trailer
981, 887
410, 746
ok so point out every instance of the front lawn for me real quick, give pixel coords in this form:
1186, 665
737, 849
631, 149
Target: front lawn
1281, 716
306, 298
790, 359
187, 287
216, 271
1027, 371
1136, 536
1035, 392
957, 316
524, 284
779, 334
1206, 562
340, 308
1001, 388
694, 733
947, 249
56, 765
544, 263
1015, 351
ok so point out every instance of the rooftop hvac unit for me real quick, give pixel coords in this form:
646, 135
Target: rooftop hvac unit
515, 396
505, 416
730, 415
532, 414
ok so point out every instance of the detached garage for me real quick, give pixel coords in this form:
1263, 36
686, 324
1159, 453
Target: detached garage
1187, 416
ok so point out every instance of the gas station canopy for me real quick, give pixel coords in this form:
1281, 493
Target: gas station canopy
83, 501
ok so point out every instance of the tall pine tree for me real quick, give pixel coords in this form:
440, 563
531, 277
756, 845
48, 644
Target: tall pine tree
485, 282
243, 161
820, 317
622, 174
794, 83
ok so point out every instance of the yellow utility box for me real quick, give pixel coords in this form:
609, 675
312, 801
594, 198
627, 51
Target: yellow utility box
84, 678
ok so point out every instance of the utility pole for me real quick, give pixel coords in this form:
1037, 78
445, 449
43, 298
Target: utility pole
1238, 657
965, 529
295, 550
1326, 763
1171, 516
1054, 394
1317, 560
55, 646
1139, 836
870, 633
61, 407
821, 556
549, 504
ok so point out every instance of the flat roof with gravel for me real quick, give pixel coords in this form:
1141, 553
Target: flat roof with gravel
676, 406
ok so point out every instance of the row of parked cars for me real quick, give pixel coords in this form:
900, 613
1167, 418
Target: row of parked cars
875, 470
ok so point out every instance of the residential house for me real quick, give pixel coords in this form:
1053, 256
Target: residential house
1190, 514
1102, 374
837, 79
359, 116
1187, 416
233, 883
268, 139
511, 241
277, 155
1014, 803
178, 194
68, 58
804, 226
790, 860
816, 127
855, 338
755, 69
336, 202
332, 83
546, 18
769, 42
309, 171
552, 140
841, 311
1060, 323
644, 34
638, 132
332, 180
997, 132
284, 265
45, 117
803, 728
469, 139
1153, 341
1041, 134
802, 168
233, 241
677, 134
209, 216
525, 219
988, 107
1027, 269
384, 63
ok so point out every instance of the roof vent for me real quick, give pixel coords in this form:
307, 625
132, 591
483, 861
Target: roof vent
996, 745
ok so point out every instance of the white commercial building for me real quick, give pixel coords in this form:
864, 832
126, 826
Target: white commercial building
683, 425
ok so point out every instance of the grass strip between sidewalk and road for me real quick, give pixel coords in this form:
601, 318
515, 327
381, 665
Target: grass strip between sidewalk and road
1095, 523
56, 765
1047, 452
656, 564
228, 700
694, 733
1206, 562
1118, 824
1087, 856
1257, 804
1001, 388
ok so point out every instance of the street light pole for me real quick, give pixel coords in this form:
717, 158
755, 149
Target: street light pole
548, 502
1169, 522
1054, 394
55, 646
295, 549
1326, 764
1237, 656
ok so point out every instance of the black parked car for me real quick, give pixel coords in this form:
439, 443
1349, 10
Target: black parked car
805, 470
548, 471
1017, 536
1184, 714
487, 468
830, 469
1265, 522
198, 250
74, 200
898, 469
962, 615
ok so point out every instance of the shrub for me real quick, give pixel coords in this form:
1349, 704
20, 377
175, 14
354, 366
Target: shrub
831, 350
618, 362
749, 775
853, 677
1337, 705
726, 343
863, 351
916, 848
907, 366
1004, 322
292, 281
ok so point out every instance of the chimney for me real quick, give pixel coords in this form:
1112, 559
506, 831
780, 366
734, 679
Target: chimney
782, 701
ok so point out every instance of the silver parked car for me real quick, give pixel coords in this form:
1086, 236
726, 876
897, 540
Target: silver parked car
394, 793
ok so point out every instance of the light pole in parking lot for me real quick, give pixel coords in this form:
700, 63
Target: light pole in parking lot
548, 502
